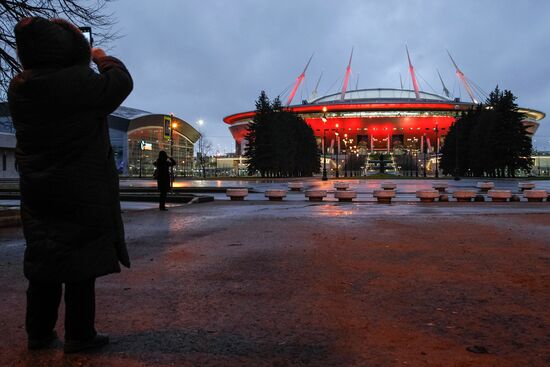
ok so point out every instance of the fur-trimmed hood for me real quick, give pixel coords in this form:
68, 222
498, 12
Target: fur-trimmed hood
56, 43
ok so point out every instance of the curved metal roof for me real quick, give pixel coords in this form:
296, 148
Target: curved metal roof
138, 119
380, 94
156, 120
129, 113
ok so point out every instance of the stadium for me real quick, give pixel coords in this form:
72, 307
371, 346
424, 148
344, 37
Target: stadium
367, 122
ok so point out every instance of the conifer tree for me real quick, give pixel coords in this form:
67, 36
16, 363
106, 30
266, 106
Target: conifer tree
492, 140
280, 143
255, 152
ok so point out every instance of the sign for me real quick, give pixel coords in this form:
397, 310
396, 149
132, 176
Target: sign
167, 126
146, 146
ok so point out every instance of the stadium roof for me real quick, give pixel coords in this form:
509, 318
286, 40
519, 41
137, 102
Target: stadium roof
379, 95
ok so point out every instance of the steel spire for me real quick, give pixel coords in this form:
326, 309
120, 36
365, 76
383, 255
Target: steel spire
346, 79
462, 78
314, 93
298, 82
413, 76
445, 90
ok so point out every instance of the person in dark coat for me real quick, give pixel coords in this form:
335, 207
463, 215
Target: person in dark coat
163, 164
70, 205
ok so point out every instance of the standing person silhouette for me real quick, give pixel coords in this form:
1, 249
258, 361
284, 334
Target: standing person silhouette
70, 204
163, 164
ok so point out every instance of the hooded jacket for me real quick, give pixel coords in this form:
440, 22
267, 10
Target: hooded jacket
70, 204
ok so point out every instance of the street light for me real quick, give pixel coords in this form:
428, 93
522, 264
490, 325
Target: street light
424, 157
200, 159
416, 162
437, 150
173, 126
457, 177
324, 119
337, 153
345, 140
141, 143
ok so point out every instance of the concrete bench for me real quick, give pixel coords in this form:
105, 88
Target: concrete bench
316, 195
388, 185
535, 195
427, 196
526, 186
345, 195
338, 185
485, 186
499, 195
275, 194
384, 196
440, 186
295, 186
236, 194
464, 195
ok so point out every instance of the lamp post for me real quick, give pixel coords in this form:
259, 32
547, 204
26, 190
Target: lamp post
457, 177
140, 154
416, 162
173, 126
354, 154
337, 153
437, 150
409, 163
424, 158
324, 119
198, 158
345, 140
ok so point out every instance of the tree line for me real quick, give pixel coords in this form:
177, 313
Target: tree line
280, 143
489, 140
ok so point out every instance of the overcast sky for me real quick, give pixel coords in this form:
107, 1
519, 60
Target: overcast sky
206, 59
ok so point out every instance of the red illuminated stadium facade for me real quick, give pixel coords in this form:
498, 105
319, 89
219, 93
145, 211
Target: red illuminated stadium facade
375, 120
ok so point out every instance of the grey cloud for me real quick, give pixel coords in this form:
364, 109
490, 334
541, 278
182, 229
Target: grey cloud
210, 58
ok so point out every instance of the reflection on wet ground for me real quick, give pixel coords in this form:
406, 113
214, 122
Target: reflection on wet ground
406, 188
357, 210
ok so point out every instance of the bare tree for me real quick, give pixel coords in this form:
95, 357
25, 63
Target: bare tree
80, 12
204, 151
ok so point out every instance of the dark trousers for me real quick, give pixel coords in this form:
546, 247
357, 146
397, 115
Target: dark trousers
162, 199
43, 301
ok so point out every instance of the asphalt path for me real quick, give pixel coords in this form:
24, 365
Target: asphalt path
313, 284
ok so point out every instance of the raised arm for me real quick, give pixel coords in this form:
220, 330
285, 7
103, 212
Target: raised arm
108, 89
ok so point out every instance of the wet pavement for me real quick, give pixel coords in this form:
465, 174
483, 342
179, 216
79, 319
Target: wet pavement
406, 188
295, 283
361, 185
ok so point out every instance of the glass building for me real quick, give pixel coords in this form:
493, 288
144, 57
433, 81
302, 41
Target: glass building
137, 137
8, 166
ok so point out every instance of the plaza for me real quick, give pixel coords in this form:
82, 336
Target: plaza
293, 283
